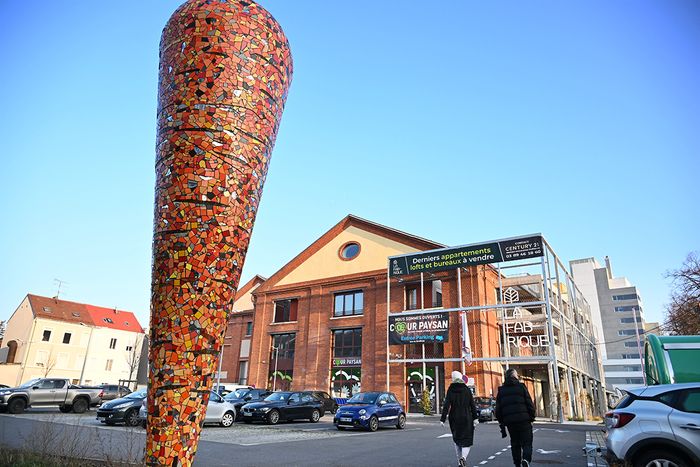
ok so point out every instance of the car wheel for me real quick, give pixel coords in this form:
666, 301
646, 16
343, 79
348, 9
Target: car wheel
16, 406
273, 417
80, 405
65, 408
373, 423
131, 417
401, 423
227, 419
659, 459
315, 416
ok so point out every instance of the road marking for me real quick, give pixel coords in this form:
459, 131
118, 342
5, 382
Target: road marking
499, 453
445, 436
504, 450
483, 462
492, 458
542, 451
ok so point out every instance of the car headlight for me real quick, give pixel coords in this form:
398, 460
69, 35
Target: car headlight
4, 393
362, 411
265, 409
122, 406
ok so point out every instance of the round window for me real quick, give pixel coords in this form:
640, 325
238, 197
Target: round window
349, 250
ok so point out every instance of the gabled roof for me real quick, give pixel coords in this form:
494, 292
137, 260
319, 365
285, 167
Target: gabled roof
64, 310
350, 220
256, 280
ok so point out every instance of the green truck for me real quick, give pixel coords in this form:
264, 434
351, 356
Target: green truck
671, 359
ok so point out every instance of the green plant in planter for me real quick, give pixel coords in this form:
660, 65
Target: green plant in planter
426, 402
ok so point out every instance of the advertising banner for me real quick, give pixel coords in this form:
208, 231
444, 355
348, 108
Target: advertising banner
419, 329
470, 255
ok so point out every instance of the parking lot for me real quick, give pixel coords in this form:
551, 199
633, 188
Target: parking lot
423, 443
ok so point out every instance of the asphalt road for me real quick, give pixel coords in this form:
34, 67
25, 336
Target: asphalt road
423, 443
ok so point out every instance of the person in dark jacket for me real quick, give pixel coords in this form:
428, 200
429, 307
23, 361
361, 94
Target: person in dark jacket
515, 411
459, 405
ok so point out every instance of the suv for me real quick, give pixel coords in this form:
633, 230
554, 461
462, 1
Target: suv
656, 425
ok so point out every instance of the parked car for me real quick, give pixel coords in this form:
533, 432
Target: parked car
284, 406
218, 411
656, 426
123, 410
485, 406
370, 410
49, 391
329, 404
225, 389
113, 391
240, 397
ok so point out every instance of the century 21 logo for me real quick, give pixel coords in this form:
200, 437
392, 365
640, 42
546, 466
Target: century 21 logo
399, 328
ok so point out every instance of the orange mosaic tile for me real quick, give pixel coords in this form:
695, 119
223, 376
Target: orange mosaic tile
225, 68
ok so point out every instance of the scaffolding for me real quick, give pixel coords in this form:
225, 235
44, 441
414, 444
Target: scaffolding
537, 320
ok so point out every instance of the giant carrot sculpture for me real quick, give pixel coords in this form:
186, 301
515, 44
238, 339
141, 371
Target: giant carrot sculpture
225, 68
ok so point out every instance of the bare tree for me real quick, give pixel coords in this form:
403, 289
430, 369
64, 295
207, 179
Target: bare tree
49, 364
683, 311
133, 358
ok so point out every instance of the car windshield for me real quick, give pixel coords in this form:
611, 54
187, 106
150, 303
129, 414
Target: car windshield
237, 394
364, 398
137, 395
30, 383
482, 401
278, 396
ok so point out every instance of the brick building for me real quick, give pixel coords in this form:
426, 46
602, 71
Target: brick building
239, 332
320, 322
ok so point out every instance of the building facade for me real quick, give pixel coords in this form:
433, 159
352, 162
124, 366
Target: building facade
619, 316
320, 322
84, 343
235, 361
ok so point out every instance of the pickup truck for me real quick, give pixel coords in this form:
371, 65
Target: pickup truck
44, 392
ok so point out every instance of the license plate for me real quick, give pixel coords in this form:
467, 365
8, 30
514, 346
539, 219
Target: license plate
247, 414
345, 419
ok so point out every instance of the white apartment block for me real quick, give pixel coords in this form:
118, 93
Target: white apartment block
618, 316
87, 344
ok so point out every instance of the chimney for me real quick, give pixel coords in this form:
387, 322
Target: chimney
608, 267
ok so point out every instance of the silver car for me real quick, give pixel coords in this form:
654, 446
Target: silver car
218, 411
656, 426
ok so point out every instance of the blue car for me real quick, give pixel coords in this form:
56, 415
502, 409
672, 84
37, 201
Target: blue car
370, 410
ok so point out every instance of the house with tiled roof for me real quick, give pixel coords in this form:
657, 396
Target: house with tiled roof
85, 343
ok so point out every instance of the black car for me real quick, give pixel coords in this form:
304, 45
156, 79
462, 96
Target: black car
329, 404
124, 410
284, 406
486, 407
243, 396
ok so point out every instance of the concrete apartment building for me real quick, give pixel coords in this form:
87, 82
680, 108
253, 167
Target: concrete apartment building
618, 315
84, 343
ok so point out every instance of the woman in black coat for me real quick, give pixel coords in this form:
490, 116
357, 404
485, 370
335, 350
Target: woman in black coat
459, 405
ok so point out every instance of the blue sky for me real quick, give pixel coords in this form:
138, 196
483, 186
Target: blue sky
463, 123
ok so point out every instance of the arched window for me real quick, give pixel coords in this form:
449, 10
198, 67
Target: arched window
12, 346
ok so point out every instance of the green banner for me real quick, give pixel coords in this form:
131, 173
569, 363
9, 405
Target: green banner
470, 255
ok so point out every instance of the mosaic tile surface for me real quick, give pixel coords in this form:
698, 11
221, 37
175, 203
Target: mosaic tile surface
225, 68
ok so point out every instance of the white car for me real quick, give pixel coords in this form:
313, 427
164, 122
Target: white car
218, 411
656, 426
